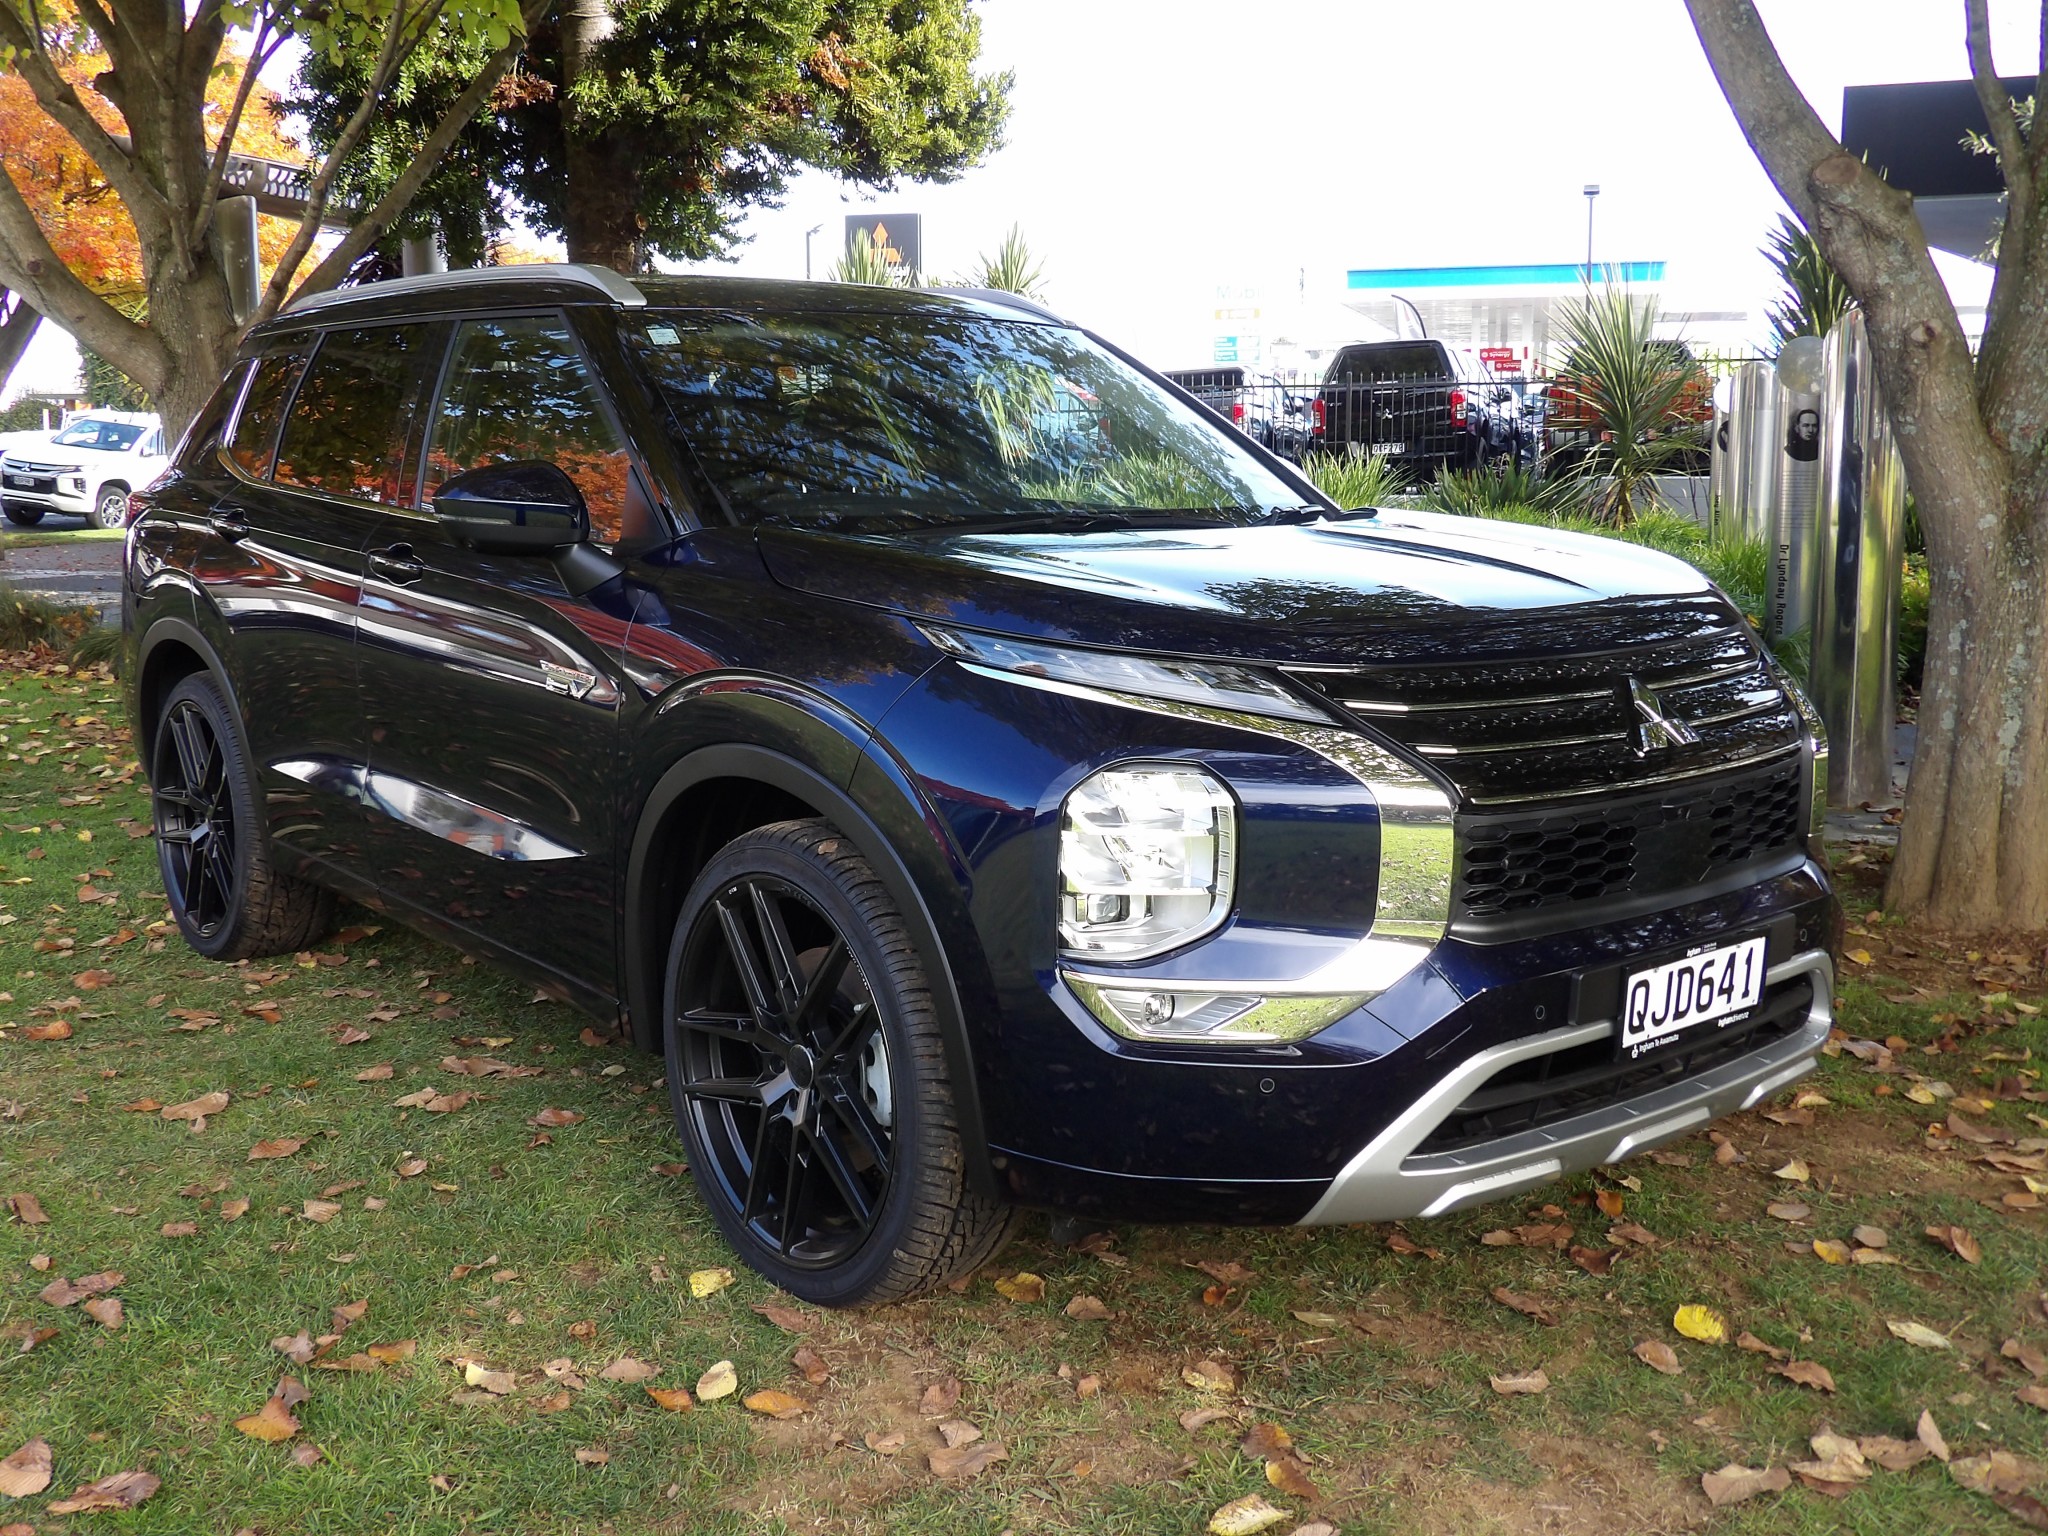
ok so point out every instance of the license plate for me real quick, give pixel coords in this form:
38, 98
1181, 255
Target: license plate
1389, 448
21, 480
1661, 1002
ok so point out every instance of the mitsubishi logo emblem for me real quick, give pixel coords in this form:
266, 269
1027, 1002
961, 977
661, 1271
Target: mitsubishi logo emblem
1654, 728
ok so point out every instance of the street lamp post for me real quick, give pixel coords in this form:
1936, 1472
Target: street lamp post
807, 249
1592, 190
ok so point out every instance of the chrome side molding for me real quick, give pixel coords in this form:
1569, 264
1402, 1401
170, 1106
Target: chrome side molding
448, 817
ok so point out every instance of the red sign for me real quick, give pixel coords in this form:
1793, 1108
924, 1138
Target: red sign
1500, 359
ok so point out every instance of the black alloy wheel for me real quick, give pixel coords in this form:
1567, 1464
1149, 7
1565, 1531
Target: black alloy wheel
786, 1071
195, 819
230, 900
807, 1075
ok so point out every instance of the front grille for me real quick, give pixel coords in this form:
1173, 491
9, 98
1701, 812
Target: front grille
1518, 730
1544, 1090
1644, 844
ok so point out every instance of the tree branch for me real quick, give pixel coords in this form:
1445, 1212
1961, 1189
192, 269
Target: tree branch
371, 227
31, 268
2004, 123
54, 94
388, 60
223, 152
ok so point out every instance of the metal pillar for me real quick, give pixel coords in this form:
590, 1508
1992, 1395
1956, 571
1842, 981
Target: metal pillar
1719, 476
234, 247
1794, 538
1860, 549
1763, 444
419, 257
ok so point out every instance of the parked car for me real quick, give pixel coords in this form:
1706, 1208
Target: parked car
991, 782
1571, 423
87, 469
1221, 389
1420, 404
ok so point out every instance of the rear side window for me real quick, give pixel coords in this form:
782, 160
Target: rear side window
256, 427
517, 389
353, 413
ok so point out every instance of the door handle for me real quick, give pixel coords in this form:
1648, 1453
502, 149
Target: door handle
230, 525
397, 564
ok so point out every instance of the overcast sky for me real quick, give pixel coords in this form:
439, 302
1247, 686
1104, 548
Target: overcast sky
1159, 150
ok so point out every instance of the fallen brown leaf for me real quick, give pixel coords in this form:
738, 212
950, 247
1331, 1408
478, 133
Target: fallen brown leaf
272, 1422
197, 1109
775, 1404
1022, 1287
1525, 1383
628, 1369
815, 1370
967, 1460
1958, 1241
1528, 1306
1659, 1356
1087, 1309
554, 1119
720, 1381
27, 1471
1290, 1475
1733, 1483
786, 1318
276, 1146
117, 1490
1807, 1373
939, 1397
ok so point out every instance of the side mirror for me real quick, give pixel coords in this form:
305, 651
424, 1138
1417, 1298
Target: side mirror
526, 506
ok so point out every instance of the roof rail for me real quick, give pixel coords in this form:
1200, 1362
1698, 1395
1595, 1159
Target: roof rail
620, 290
1004, 298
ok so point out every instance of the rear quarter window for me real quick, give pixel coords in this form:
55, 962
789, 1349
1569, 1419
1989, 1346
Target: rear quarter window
253, 438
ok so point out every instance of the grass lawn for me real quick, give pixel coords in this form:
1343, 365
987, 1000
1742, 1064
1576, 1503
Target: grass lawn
35, 538
503, 1266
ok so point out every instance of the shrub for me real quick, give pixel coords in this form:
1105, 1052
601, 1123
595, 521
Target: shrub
1503, 485
27, 620
1354, 479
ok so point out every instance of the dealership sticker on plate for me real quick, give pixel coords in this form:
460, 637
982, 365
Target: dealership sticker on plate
1660, 1002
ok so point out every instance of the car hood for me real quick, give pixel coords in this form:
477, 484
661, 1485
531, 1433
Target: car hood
1398, 586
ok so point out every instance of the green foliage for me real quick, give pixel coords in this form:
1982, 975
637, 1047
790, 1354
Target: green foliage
1914, 592
26, 415
1012, 269
1356, 479
864, 263
1162, 480
1504, 485
1814, 295
28, 620
107, 387
697, 110
1634, 388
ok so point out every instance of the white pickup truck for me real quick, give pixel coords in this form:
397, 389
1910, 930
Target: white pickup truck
87, 469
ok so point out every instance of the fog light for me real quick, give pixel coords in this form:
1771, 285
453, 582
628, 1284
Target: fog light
1223, 1018
78, 484
1148, 860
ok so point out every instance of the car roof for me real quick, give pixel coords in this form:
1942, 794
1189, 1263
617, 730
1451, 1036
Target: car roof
564, 283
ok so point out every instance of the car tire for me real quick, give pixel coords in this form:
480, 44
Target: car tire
808, 1076
213, 845
110, 508
27, 517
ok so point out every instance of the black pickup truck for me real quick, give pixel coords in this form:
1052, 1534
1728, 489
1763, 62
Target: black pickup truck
1419, 403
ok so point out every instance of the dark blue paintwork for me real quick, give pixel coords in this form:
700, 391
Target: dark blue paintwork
739, 676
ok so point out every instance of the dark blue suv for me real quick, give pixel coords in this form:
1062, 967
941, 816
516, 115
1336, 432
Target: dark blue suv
991, 780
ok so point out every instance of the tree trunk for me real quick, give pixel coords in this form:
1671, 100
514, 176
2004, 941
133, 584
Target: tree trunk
199, 333
16, 332
1973, 849
601, 203
600, 216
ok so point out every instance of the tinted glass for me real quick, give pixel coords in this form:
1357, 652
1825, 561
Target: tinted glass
938, 420
517, 389
112, 436
1423, 360
256, 426
349, 422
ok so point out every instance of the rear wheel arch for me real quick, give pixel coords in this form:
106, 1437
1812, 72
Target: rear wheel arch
718, 793
172, 651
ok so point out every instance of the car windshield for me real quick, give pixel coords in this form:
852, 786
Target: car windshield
942, 421
114, 436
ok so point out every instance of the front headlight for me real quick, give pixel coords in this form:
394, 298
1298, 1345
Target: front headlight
1210, 684
1148, 860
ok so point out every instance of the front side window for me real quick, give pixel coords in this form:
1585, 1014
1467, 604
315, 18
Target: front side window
940, 420
517, 389
255, 431
350, 421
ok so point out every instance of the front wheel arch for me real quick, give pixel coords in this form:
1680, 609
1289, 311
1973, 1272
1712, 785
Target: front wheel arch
784, 788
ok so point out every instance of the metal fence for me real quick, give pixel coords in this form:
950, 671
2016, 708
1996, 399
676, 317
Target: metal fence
1420, 424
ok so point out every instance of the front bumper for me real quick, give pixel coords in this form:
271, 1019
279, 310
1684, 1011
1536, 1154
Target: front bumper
61, 502
1387, 1181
